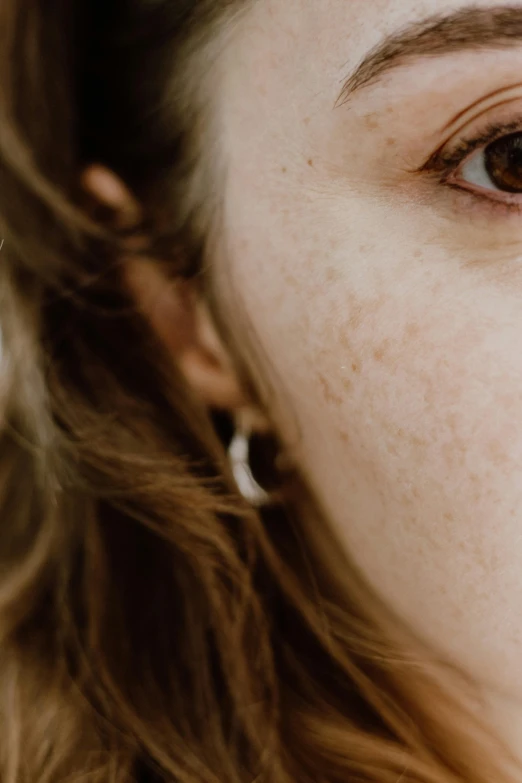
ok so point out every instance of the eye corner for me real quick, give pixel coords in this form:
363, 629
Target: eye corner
438, 163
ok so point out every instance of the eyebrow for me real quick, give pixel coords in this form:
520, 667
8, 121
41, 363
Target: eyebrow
470, 29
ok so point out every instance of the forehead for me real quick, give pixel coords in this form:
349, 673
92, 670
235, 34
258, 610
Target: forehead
321, 38
284, 67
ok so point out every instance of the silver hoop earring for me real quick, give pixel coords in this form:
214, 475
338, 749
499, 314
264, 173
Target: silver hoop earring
239, 455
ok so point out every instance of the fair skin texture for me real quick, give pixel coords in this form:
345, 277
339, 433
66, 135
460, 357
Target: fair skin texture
388, 304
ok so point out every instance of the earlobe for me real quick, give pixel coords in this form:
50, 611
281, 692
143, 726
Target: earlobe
216, 385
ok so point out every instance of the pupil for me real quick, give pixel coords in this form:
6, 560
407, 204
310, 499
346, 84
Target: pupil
503, 160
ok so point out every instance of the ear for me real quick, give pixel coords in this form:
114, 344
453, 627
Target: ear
179, 316
182, 322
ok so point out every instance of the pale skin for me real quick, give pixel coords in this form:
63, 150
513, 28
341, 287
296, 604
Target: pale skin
389, 305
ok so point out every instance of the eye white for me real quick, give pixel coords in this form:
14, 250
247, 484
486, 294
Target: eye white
475, 172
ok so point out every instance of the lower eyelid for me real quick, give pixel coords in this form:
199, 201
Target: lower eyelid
452, 200
486, 202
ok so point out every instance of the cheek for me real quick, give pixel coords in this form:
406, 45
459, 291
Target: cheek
403, 390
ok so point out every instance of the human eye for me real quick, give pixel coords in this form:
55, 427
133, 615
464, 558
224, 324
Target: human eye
488, 165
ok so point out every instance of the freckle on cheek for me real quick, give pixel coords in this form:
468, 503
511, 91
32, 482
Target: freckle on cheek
355, 319
497, 453
412, 330
371, 122
380, 353
327, 391
331, 274
292, 280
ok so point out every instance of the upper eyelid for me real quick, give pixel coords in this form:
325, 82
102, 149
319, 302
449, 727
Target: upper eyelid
440, 161
465, 118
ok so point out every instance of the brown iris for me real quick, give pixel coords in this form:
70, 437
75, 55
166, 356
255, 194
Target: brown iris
503, 160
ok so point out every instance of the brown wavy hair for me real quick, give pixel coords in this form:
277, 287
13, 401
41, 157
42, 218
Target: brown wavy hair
153, 626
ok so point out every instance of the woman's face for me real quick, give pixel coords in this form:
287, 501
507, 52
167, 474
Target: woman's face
377, 255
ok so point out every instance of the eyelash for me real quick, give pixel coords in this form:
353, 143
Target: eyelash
443, 165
